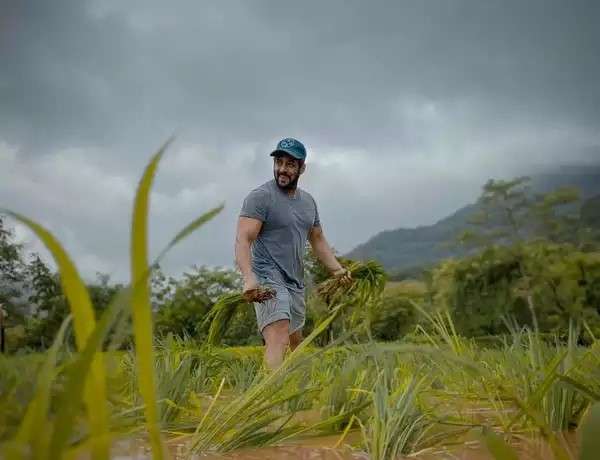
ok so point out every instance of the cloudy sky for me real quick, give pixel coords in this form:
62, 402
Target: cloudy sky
406, 108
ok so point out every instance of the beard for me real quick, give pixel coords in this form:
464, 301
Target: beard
291, 184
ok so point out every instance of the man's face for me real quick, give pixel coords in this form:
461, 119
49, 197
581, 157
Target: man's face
287, 170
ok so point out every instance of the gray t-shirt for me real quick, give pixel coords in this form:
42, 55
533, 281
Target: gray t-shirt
279, 249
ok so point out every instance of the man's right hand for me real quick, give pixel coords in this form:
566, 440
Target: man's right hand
253, 292
250, 284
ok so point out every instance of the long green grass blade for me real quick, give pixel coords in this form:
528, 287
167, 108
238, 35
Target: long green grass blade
84, 322
190, 228
580, 387
141, 306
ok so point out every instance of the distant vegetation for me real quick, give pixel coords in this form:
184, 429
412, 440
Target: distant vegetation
405, 252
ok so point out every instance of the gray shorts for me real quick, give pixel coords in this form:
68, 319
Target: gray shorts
287, 304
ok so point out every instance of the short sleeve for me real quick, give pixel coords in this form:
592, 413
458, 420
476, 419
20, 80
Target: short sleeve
317, 221
256, 205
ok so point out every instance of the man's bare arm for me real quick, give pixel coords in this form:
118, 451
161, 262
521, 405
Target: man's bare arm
323, 251
247, 232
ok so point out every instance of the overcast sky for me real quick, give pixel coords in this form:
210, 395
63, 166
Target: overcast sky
405, 107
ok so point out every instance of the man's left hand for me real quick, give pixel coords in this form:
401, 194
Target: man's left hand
343, 275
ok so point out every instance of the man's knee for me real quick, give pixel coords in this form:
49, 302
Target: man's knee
277, 333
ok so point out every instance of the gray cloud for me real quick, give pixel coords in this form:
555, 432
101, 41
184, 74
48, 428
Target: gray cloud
406, 107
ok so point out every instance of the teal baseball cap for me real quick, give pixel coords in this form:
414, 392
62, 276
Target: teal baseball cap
292, 147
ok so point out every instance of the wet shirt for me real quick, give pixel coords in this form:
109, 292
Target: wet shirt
278, 251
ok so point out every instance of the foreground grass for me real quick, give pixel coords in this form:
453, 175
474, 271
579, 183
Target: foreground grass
403, 398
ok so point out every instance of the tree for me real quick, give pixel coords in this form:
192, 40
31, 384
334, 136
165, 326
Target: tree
186, 302
44, 285
589, 231
395, 315
163, 288
10, 253
504, 208
556, 216
510, 216
509, 213
12, 276
497, 285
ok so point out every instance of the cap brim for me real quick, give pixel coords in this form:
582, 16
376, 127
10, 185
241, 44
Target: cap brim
277, 152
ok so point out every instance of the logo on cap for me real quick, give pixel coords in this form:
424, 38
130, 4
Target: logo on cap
287, 143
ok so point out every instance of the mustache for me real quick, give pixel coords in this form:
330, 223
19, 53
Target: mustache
292, 180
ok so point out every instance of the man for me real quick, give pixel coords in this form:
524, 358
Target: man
275, 222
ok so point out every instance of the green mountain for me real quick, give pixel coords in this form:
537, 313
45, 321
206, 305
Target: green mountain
406, 250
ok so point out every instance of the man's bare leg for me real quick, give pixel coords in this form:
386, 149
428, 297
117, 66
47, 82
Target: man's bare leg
277, 340
295, 339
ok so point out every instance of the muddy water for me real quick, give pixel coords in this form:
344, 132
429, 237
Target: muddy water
526, 449
289, 453
280, 453
322, 448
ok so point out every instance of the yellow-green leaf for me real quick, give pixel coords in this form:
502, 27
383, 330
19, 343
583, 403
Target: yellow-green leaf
84, 323
141, 306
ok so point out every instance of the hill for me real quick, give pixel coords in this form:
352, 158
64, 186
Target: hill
409, 249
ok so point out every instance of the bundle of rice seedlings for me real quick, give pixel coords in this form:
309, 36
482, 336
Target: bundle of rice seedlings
224, 309
368, 281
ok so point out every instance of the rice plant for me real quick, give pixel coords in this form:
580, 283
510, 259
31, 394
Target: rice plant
220, 315
368, 280
397, 424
